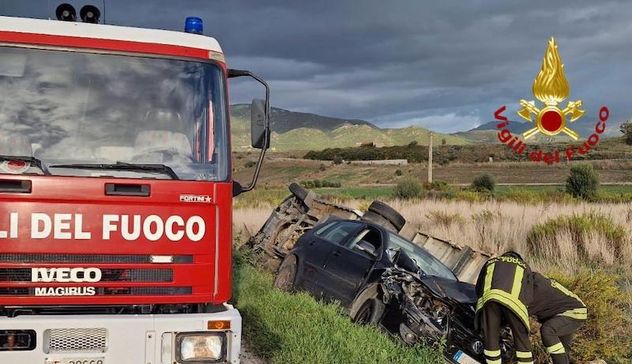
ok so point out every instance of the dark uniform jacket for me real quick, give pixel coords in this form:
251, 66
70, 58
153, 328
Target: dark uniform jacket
552, 299
507, 281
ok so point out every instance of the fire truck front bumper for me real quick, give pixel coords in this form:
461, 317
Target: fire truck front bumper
121, 339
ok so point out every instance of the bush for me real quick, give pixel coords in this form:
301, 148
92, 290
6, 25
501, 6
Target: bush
398, 172
626, 129
484, 183
338, 159
437, 186
606, 334
322, 167
250, 164
408, 188
583, 182
593, 237
318, 183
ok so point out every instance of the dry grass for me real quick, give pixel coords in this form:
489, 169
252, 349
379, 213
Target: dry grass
496, 227
499, 226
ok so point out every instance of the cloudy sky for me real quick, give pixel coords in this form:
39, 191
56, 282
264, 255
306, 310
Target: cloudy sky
445, 65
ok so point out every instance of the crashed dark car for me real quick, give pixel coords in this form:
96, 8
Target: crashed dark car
383, 279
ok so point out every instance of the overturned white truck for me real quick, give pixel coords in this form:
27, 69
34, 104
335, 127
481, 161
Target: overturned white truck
304, 209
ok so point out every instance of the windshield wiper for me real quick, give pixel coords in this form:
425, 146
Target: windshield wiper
122, 166
32, 160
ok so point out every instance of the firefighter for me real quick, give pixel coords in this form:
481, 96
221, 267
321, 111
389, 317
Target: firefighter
560, 312
504, 291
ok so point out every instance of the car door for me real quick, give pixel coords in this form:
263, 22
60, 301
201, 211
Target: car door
317, 248
347, 266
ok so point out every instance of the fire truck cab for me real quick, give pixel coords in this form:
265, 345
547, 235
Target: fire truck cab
116, 193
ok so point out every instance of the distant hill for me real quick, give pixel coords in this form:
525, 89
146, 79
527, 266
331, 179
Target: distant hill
304, 131
487, 133
285, 120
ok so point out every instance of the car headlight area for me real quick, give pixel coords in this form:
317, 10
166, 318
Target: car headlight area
200, 347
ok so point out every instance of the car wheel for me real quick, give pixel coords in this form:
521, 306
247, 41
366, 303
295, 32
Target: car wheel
298, 191
370, 313
367, 308
389, 213
286, 276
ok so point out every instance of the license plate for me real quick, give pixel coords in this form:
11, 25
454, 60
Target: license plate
462, 358
92, 360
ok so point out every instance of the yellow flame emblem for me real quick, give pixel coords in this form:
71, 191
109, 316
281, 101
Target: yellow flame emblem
551, 87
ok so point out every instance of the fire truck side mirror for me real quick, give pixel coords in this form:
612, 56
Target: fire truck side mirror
259, 133
259, 127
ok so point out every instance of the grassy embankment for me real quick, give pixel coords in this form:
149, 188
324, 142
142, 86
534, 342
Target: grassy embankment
294, 328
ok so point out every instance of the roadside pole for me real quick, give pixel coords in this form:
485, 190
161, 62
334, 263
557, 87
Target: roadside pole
430, 160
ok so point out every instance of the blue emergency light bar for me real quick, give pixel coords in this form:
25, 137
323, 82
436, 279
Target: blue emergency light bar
194, 25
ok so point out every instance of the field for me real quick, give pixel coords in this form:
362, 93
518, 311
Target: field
280, 170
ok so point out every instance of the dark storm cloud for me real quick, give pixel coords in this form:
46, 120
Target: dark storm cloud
447, 65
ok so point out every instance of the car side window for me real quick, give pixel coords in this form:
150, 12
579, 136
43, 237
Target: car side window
323, 228
339, 232
367, 243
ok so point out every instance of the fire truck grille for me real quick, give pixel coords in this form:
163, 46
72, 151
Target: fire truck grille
84, 340
108, 275
85, 258
100, 291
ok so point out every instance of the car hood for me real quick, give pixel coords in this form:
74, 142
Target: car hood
461, 292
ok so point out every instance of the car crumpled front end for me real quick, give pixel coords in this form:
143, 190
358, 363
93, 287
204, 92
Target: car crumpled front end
436, 312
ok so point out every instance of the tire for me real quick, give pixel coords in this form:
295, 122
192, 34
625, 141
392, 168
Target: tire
298, 191
367, 308
286, 276
389, 213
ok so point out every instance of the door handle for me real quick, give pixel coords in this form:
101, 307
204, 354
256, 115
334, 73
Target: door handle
127, 189
15, 185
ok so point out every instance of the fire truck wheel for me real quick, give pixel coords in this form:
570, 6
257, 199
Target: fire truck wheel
286, 276
388, 213
367, 308
298, 191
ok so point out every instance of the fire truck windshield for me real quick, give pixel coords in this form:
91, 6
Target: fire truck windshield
65, 108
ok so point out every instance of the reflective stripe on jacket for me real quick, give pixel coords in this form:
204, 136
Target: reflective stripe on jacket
506, 280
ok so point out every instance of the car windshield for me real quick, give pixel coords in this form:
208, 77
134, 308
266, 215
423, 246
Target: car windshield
100, 114
426, 262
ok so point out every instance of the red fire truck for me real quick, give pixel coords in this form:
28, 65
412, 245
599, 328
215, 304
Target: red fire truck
116, 193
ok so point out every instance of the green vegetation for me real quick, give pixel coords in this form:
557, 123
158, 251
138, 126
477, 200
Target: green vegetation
626, 129
317, 183
614, 148
606, 334
294, 328
595, 238
408, 188
484, 183
583, 182
262, 196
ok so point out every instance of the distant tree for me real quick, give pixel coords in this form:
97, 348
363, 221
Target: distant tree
443, 141
583, 182
626, 129
484, 183
338, 159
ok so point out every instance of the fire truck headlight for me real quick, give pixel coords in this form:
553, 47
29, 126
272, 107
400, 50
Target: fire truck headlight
200, 347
